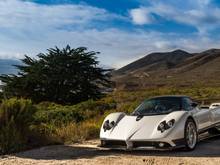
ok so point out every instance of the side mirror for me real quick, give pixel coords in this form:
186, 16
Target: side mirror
194, 104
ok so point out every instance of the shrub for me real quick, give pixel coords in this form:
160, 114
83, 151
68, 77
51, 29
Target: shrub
16, 116
59, 115
11, 140
65, 124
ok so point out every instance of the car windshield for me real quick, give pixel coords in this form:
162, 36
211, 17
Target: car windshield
157, 106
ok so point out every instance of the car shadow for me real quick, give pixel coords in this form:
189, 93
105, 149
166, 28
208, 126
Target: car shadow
205, 148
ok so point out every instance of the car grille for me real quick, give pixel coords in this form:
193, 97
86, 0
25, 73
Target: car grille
115, 143
137, 144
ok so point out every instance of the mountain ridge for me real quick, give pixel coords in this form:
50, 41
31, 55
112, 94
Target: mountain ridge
175, 68
156, 57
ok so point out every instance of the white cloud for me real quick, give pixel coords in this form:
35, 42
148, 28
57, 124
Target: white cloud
200, 14
141, 16
26, 15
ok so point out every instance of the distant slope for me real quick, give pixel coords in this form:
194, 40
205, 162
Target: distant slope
6, 66
156, 61
177, 68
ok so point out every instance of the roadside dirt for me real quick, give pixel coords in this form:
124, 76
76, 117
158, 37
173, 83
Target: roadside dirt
207, 153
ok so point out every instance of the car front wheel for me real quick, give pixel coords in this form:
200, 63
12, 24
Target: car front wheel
191, 135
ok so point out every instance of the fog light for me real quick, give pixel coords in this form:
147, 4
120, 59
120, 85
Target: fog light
161, 144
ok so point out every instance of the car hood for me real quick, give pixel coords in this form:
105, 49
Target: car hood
129, 128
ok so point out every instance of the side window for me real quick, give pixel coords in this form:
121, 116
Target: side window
187, 104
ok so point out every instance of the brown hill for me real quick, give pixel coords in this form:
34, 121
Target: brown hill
155, 61
176, 68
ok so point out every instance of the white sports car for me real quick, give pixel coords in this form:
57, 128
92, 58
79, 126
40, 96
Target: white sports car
164, 122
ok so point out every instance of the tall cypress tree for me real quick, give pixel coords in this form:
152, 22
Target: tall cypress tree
64, 76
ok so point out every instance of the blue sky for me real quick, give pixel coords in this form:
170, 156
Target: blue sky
122, 30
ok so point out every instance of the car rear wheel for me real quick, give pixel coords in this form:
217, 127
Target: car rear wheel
191, 135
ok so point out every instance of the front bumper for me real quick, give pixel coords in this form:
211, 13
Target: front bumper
139, 145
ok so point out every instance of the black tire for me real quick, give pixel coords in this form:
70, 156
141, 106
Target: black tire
190, 124
213, 131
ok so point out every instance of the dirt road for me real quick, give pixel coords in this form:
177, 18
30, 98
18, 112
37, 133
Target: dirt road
207, 153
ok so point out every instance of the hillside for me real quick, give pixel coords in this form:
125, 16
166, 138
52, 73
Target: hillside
176, 68
155, 61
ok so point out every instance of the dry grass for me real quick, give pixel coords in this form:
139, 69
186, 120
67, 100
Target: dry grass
74, 132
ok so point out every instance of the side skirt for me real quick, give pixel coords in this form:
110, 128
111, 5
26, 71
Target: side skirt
203, 130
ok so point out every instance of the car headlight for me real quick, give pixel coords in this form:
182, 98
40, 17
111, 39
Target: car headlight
162, 126
108, 125
165, 125
170, 123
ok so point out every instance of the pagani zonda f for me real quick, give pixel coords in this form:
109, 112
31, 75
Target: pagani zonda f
164, 122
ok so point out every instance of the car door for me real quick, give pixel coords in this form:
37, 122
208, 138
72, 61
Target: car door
215, 113
202, 116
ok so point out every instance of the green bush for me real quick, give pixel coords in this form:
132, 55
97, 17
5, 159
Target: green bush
58, 115
61, 124
16, 116
11, 140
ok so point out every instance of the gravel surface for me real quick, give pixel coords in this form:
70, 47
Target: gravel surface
207, 153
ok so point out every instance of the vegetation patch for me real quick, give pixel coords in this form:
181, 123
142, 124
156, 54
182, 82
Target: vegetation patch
26, 125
